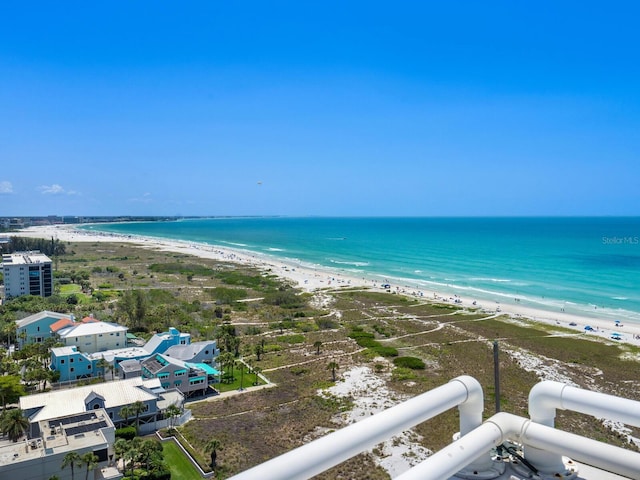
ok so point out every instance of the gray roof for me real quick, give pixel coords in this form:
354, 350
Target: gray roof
188, 352
66, 402
36, 317
129, 365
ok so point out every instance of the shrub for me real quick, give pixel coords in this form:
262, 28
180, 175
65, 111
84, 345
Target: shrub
413, 363
128, 433
402, 374
326, 323
227, 296
295, 338
285, 299
385, 351
368, 342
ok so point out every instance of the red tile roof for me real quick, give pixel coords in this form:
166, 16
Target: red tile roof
60, 324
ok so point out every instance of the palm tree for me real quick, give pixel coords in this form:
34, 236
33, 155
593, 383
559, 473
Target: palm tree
120, 447
213, 446
126, 412
23, 338
333, 366
102, 364
317, 344
130, 455
149, 449
14, 424
226, 360
172, 412
71, 459
259, 350
256, 371
90, 460
138, 408
240, 364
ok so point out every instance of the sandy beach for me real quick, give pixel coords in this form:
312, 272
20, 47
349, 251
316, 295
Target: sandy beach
313, 279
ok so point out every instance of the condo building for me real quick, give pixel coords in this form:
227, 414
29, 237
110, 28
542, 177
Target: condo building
27, 273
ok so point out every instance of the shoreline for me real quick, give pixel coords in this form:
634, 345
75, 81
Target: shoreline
311, 279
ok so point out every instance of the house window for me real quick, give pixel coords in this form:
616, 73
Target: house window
177, 383
72, 369
96, 406
71, 360
62, 361
38, 328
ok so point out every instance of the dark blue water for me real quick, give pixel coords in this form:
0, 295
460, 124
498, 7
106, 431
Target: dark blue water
576, 264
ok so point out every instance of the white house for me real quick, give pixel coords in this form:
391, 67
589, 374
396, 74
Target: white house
94, 336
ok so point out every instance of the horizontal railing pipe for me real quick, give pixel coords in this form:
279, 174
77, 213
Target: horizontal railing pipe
548, 396
457, 455
326, 452
586, 450
505, 426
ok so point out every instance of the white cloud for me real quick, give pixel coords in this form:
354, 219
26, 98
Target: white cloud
146, 198
6, 187
56, 189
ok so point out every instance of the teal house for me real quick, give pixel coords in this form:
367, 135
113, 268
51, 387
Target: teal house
37, 327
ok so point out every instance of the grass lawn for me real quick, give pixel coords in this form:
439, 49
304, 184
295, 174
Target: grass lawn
69, 289
247, 381
180, 466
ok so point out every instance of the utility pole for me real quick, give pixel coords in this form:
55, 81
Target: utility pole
496, 374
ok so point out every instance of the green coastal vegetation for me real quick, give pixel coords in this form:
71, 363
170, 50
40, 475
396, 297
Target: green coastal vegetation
302, 343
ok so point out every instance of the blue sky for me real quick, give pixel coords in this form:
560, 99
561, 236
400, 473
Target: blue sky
319, 108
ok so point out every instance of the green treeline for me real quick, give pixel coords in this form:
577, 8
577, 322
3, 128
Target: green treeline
22, 244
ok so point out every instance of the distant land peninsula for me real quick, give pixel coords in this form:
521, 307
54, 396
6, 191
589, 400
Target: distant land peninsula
16, 223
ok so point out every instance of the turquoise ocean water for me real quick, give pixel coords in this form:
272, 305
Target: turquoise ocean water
588, 266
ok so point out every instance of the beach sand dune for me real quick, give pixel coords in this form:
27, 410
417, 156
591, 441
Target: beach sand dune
310, 279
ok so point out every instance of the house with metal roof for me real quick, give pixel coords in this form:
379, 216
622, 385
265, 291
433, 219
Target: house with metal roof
94, 336
197, 352
160, 342
36, 328
74, 362
110, 396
